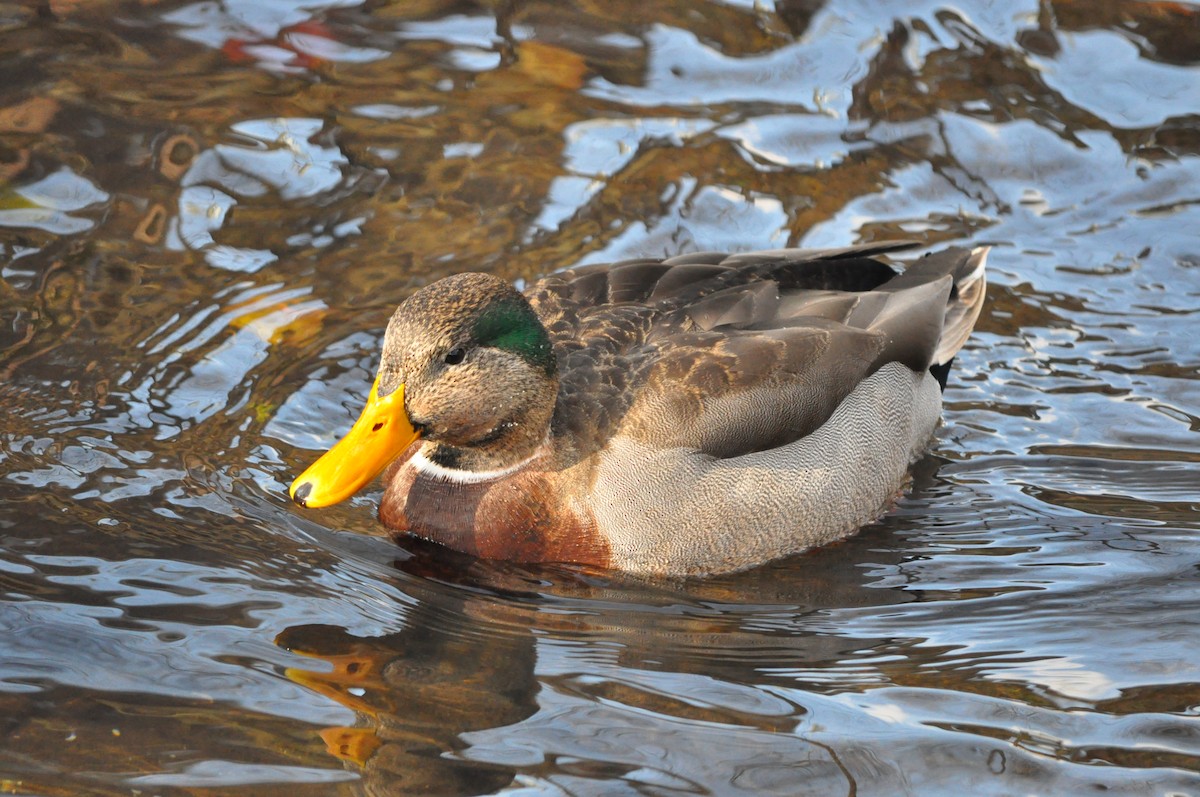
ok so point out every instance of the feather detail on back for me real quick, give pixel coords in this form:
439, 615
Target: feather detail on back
731, 354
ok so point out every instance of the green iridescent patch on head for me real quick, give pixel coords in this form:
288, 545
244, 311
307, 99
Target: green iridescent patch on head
511, 325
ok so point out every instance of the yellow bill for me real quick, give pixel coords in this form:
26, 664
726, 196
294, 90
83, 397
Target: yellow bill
379, 435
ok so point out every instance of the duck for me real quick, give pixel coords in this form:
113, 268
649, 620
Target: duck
688, 416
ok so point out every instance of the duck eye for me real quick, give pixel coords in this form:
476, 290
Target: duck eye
455, 355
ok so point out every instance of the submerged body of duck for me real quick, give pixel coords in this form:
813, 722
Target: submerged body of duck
695, 415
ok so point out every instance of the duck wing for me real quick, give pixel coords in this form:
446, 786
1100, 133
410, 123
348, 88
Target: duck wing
732, 354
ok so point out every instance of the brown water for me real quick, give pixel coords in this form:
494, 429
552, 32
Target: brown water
208, 211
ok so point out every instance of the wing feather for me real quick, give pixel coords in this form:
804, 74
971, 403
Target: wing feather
731, 354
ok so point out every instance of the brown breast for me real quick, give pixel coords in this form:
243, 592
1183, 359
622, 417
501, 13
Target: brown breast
520, 517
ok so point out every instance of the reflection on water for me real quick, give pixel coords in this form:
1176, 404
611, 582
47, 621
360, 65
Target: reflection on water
208, 211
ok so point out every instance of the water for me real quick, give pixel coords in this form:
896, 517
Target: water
208, 211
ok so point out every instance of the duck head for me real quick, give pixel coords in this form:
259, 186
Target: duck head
468, 367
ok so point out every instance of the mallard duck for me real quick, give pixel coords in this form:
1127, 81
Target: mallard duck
695, 415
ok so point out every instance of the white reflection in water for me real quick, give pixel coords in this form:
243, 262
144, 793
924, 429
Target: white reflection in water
1096, 70
279, 156
47, 203
683, 71
701, 218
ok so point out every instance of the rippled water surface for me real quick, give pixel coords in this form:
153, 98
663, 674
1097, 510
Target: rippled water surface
209, 209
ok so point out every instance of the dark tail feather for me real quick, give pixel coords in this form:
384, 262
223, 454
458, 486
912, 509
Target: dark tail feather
941, 372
